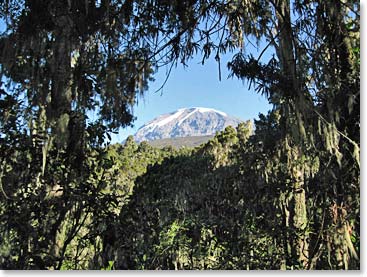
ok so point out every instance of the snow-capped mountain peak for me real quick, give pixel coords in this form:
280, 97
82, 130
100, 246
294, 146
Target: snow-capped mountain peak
196, 121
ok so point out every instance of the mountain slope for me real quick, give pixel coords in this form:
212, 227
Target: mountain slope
186, 122
179, 142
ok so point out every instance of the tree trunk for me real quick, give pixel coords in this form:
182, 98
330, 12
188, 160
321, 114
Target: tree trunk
293, 202
298, 211
295, 205
60, 106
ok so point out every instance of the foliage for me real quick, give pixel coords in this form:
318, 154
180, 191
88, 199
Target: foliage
198, 211
285, 195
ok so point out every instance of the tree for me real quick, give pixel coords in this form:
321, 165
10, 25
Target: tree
304, 80
62, 61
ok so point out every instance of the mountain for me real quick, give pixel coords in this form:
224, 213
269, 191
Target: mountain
186, 122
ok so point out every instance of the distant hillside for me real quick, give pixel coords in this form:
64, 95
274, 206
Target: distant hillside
179, 142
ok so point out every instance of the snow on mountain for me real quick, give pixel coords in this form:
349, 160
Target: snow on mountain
185, 122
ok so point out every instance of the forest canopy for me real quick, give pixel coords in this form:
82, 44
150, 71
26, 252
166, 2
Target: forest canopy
285, 196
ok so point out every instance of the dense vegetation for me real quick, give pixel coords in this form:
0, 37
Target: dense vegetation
283, 197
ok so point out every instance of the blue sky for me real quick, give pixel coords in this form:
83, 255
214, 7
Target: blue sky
196, 86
